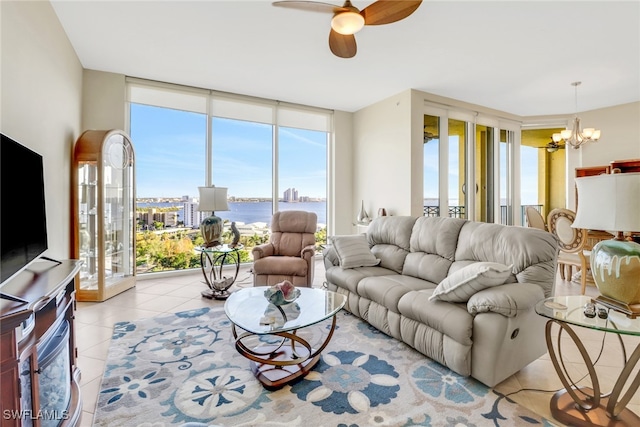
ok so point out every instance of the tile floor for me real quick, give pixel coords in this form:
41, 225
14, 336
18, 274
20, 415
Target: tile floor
169, 294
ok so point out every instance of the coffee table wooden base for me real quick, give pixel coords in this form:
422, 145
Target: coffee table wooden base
565, 410
273, 376
276, 365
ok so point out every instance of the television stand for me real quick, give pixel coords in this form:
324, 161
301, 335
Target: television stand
12, 298
39, 351
46, 258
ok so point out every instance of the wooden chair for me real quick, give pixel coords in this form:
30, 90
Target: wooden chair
571, 242
534, 218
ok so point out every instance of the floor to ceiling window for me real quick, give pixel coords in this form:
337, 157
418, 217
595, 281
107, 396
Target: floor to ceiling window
431, 162
529, 175
302, 171
242, 162
504, 173
485, 165
270, 156
457, 168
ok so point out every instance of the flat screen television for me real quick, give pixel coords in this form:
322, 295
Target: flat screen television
23, 222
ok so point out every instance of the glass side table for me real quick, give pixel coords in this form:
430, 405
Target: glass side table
213, 260
589, 406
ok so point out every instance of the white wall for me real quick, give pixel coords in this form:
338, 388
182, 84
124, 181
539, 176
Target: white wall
341, 177
103, 101
620, 126
41, 88
382, 149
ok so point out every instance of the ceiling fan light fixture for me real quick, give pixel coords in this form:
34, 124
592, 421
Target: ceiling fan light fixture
347, 23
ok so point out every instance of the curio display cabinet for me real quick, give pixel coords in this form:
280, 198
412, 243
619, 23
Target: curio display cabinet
103, 217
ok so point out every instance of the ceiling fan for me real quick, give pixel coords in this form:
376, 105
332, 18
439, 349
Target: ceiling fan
553, 146
348, 20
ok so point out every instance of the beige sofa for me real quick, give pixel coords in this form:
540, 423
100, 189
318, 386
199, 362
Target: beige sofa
460, 292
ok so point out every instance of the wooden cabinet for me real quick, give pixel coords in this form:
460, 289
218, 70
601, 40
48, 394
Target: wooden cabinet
103, 217
39, 377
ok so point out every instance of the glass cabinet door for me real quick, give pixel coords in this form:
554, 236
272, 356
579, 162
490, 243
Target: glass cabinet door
104, 218
118, 209
88, 228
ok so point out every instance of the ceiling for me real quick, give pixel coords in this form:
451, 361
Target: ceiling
518, 57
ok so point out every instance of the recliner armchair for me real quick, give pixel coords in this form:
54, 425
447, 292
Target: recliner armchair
290, 253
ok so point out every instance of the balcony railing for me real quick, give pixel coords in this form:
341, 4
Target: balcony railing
459, 212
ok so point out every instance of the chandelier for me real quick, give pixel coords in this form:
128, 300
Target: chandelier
576, 137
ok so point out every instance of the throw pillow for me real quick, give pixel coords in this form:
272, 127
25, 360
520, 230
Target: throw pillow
353, 251
461, 285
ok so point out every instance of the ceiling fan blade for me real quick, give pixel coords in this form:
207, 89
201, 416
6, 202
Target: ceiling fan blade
342, 45
311, 6
388, 11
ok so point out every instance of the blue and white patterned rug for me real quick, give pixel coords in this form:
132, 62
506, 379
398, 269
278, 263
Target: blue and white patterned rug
184, 369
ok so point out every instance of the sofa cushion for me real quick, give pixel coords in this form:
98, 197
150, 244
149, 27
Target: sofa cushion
438, 236
348, 278
387, 290
390, 256
532, 252
392, 230
450, 319
281, 265
389, 240
433, 245
459, 286
507, 299
353, 251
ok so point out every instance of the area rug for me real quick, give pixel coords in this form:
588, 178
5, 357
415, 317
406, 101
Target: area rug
183, 369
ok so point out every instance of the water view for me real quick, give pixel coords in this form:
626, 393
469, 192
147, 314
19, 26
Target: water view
252, 212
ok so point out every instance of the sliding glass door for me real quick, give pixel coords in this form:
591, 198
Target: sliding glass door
469, 174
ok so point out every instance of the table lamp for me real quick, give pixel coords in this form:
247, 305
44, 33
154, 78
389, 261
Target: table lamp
212, 199
610, 202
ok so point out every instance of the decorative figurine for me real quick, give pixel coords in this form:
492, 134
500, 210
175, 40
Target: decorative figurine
282, 293
236, 235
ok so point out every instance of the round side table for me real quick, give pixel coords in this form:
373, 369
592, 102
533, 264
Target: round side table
590, 406
213, 260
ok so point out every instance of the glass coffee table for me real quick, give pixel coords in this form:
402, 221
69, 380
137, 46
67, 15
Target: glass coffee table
267, 334
590, 406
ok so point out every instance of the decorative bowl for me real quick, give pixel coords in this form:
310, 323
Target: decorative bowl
282, 293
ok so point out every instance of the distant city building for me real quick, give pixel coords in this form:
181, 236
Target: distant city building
192, 217
291, 195
189, 212
169, 219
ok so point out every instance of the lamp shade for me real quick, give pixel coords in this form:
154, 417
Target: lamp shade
213, 199
347, 22
608, 202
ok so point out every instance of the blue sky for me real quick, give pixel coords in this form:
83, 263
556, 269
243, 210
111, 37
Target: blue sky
170, 155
